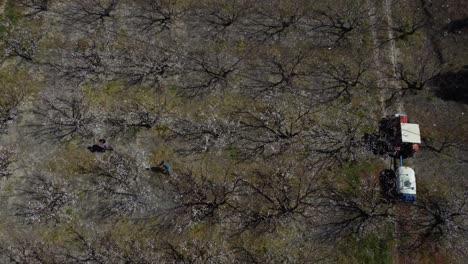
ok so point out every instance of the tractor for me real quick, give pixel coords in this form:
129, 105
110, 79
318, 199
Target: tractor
396, 138
399, 140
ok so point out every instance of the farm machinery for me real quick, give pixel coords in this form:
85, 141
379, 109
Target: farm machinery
399, 140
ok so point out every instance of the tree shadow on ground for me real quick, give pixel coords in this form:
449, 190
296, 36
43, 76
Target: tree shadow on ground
452, 86
388, 186
457, 25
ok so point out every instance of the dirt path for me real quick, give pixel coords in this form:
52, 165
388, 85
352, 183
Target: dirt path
2, 7
387, 9
377, 57
393, 50
385, 53
390, 51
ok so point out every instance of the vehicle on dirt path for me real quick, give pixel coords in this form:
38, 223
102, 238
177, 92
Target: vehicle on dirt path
399, 140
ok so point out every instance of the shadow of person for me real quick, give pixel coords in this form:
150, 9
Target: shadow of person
157, 169
96, 148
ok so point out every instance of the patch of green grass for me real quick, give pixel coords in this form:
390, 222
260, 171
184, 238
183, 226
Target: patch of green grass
350, 176
71, 160
115, 95
11, 12
372, 248
16, 86
233, 152
162, 131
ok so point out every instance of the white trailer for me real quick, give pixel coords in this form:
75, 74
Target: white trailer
406, 183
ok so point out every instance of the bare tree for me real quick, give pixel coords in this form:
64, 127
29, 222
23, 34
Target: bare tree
33, 7
85, 250
207, 72
270, 74
78, 64
340, 21
9, 101
132, 61
141, 64
415, 78
340, 80
28, 250
156, 16
132, 120
272, 130
21, 44
338, 143
43, 199
353, 209
195, 251
404, 26
6, 162
220, 17
274, 20
92, 11
15, 87
196, 198
438, 220
116, 186
446, 136
62, 118
267, 200
211, 135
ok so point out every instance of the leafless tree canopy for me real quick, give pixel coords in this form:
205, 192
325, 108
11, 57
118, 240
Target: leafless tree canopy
234, 131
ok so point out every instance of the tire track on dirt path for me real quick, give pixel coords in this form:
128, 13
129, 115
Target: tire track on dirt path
2, 7
372, 11
385, 54
386, 60
393, 50
391, 54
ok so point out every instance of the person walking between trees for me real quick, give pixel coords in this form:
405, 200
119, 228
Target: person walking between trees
163, 167
101, 146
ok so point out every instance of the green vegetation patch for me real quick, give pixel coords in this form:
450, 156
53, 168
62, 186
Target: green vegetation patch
11, 12
116, 96
373, 248
15, 86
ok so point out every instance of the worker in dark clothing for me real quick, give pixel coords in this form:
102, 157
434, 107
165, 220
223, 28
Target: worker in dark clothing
101, 146
163, 167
